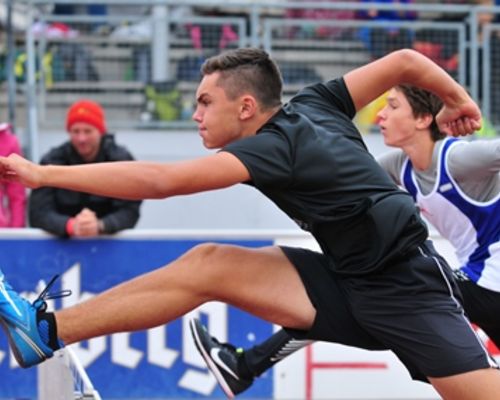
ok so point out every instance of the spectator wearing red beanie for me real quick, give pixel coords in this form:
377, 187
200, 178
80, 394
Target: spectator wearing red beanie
86, 124
67, 213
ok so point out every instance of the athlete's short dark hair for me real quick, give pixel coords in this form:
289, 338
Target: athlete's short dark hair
423, 102
247, 70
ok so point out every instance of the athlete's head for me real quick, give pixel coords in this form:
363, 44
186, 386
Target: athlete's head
238, 92
409, 113
423, 102
247, 70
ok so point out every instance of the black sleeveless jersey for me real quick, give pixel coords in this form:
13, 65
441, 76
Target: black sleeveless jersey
311, 161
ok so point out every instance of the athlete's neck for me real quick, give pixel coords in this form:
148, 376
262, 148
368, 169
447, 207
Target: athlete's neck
420, 152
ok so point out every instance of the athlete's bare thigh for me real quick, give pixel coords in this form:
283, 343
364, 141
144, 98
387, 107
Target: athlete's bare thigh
261, 281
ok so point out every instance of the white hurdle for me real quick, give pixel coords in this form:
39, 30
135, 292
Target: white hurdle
63, 378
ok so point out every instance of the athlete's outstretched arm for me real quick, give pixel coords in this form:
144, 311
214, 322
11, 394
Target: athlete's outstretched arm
132, 180
460, 114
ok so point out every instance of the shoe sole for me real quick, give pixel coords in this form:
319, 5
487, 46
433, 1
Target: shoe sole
213, 368
15, 351
12, 345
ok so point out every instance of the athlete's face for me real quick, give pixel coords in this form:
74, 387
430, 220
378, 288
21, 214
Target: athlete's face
217, 116
86, 140
396, 120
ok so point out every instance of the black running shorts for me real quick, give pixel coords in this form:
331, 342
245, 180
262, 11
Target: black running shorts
411, 307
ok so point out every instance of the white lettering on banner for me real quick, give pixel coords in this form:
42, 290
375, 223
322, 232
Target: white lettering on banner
158, 353
121, 352
202, 382
12, 361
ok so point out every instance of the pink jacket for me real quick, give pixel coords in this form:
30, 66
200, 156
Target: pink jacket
12, 195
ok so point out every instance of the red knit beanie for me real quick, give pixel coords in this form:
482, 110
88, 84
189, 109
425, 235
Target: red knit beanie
86, 111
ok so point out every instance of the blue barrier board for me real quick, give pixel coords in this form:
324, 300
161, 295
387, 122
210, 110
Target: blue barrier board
158, 363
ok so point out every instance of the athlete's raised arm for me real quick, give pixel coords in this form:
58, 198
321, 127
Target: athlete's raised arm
460, 114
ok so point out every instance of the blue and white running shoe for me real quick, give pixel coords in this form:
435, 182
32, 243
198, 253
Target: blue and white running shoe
18, 318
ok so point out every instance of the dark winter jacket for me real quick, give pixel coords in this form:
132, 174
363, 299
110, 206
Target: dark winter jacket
50, 208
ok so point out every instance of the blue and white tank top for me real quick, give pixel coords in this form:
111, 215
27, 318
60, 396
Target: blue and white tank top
471, 226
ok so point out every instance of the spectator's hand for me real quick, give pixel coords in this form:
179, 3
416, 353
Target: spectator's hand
86, 224
459, 120
15, 168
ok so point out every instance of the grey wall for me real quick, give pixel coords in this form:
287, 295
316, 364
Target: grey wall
239, 207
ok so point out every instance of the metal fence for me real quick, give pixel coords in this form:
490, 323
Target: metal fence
144, 66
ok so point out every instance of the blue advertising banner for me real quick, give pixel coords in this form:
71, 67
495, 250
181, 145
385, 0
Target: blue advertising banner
158, 363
